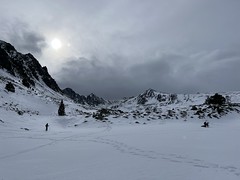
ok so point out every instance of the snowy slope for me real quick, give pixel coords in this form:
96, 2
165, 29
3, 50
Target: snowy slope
169, 150
153, 105
154, 98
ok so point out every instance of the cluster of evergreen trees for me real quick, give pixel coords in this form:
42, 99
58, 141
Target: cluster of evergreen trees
216, 99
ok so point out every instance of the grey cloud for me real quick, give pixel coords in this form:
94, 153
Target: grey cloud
25, 40
172, 46
220, 74
86, 76
170, 73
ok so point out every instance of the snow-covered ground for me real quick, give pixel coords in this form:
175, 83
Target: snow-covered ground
99, 151
79, 147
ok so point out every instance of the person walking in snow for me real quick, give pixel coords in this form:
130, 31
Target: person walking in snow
46, 126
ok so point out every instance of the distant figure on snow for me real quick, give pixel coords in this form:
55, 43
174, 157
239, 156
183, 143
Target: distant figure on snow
205, 124
46, 126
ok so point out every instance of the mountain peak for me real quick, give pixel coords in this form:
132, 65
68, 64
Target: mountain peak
6, 46
94, 100
91, 99
150, 92
25, 66
152, 95
92, 95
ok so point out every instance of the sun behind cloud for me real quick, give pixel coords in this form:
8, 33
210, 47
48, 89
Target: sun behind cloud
56, 44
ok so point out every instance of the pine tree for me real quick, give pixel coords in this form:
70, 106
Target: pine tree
216, 99
61, 109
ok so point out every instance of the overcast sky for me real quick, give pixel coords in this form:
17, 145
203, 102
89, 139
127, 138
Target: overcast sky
119, 48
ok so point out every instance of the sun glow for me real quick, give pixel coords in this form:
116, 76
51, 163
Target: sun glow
56, 44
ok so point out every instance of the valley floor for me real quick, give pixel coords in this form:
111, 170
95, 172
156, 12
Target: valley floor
168, 150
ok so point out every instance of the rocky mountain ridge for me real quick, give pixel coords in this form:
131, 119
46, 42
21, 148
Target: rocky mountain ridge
27, 73
25, 66
91, 99
153, 105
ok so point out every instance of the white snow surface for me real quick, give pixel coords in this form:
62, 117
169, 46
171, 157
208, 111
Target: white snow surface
166, 150
76, 147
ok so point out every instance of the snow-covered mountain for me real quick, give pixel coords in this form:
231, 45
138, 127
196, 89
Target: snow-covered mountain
156, 105
25, 66
35, 91
91, 99
35, 88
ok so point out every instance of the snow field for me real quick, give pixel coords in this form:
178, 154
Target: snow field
100, 151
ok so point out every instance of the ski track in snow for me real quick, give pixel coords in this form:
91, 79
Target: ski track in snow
174, 158
27, 150
123, 148
52, 141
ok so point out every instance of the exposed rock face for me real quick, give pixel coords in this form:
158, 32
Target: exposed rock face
153, 105
94, 100
74, 96
91, 99
151, 94
25, 66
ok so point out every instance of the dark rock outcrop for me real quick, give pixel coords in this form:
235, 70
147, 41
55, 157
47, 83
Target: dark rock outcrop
75, 96
94, 100
160, 97
25, 66
91, 99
